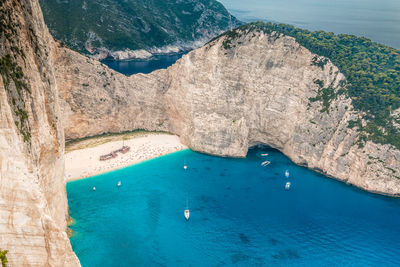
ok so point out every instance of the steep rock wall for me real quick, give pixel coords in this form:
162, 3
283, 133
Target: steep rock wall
220, 99
95, 99
33, 204
229, 95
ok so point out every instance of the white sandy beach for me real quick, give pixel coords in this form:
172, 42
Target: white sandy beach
84, 162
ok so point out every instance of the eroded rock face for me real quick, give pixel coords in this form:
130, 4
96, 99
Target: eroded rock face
221, 100
33, 204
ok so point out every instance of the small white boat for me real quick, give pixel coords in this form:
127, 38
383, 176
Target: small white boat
187, 214
264, 154
119, 184
287, 174
184, 167
94, 188
287, 186
265, 163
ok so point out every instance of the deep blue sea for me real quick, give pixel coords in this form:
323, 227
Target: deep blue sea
378, 20
129, 67
241, 215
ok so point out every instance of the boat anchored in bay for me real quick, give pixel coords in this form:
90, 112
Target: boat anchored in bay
287, 186
265, 163
187, 212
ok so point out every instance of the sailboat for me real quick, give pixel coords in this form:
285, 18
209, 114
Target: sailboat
287, 186
187, 212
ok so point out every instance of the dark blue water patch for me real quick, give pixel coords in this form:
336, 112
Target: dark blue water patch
129, 67
243, 218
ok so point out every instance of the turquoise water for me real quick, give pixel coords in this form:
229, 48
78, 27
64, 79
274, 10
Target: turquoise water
378, 20
240, 215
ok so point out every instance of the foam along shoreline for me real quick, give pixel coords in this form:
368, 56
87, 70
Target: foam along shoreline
82, 158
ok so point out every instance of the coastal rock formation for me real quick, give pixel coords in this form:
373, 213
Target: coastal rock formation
124, 29
220, 99
33, 204
228, 95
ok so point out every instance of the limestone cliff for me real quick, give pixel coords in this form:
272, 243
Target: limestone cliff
218, 100
33, 204
221, 101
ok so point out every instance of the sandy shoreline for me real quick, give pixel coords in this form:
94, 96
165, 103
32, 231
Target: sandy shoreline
84, 161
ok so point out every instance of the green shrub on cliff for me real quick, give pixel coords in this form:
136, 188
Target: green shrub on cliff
372, 71
3, 257
134, 24
11, 72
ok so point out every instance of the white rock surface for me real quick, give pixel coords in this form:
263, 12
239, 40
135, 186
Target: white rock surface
221, 101
127, 54
33, 203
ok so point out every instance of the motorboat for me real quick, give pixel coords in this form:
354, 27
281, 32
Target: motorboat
184, 167
287, 174
287, 186
265, 163
119, 183
187, 212
94, 188
264, 154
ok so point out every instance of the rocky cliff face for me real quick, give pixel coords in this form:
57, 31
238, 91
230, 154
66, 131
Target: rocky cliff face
33, 205
220, 99
227, 96
135, 28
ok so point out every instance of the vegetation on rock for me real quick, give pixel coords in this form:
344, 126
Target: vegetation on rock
326, 95
372, 71
11, 73
3, 257
132, 24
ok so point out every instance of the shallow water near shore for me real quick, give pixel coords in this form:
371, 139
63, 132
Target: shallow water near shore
241, 215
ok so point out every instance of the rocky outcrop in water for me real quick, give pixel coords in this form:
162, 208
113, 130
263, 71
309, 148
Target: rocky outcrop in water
227, 96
